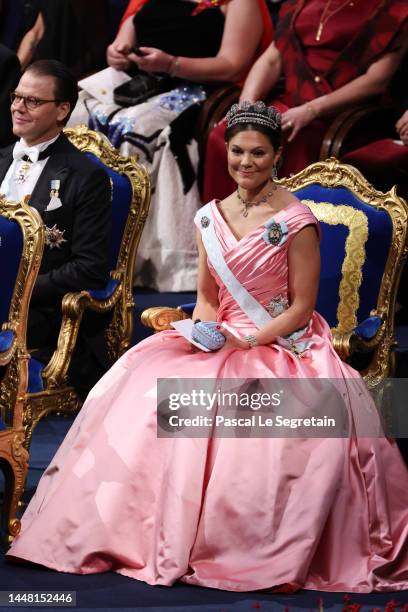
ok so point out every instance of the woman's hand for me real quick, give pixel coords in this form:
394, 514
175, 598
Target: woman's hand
153, 60
297, 118
402, 128
117, 56
232, 340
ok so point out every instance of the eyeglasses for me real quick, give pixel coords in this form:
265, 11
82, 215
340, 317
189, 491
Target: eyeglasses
30, 102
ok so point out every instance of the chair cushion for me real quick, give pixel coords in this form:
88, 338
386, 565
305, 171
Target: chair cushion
385, 153
121, 199
368, 328
188, 308
6, 340
333, 246
104, 294
11, 246
35, 381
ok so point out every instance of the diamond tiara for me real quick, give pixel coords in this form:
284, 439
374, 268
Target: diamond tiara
257, 113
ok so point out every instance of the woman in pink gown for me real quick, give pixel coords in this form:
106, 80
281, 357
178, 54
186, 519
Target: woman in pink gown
240, 514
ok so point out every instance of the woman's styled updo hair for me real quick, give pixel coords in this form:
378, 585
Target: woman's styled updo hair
258, 117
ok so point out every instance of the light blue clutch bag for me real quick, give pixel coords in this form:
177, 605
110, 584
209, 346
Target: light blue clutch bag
207, 333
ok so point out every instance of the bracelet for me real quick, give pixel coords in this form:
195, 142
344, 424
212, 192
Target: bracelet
252, 340
311, 109
174, 66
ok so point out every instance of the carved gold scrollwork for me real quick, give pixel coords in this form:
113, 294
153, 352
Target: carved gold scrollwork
160, 317
332, 173
15, 379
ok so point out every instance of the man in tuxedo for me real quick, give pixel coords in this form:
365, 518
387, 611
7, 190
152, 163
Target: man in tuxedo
73, 196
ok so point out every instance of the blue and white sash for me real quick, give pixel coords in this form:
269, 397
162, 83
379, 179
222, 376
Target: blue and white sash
255, 312
248, 304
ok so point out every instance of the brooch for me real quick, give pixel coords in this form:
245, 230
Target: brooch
276, 234
23, 173
54, 238
205, 222
277, 305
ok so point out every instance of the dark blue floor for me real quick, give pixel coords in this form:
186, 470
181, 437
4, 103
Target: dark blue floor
114, 592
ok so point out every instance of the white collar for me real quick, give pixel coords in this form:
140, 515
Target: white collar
21, 148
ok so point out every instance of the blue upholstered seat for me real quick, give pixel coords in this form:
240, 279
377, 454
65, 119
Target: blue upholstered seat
35, 380
11, 246
121, 200
6, 340
335, 232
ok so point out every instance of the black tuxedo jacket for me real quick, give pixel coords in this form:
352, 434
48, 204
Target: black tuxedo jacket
82, 262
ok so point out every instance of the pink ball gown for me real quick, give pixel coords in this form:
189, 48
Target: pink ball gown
236, 514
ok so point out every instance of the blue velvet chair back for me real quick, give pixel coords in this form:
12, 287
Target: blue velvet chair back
121, 201
11, 249
364, 236
356, 240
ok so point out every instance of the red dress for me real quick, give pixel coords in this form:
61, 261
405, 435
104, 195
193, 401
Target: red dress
352, 39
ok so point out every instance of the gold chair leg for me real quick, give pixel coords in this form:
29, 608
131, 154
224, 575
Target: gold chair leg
15, 468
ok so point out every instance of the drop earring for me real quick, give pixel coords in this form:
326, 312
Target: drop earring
274, 174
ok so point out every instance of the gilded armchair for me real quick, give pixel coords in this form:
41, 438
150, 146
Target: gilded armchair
48, 389
21, 247
363, 248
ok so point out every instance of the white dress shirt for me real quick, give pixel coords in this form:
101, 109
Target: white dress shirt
12, 188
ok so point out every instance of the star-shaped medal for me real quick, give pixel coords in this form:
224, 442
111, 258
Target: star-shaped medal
54, 237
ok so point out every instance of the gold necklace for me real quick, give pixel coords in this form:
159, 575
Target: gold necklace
326, 15
248, 204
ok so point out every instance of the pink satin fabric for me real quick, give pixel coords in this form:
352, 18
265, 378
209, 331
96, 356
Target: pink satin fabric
236, 514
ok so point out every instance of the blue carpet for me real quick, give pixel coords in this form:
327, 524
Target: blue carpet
111, 591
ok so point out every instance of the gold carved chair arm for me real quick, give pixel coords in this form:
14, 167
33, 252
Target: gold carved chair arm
346, 343
159, 318
73, 307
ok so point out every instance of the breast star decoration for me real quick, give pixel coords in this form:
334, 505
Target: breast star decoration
54, 237
276, 233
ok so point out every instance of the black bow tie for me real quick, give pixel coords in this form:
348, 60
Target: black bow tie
42, 155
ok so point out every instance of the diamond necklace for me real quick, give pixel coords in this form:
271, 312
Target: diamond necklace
248, 204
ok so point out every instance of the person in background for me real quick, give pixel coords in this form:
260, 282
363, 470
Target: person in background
71, 31
198, 45
9, 77
332, 55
